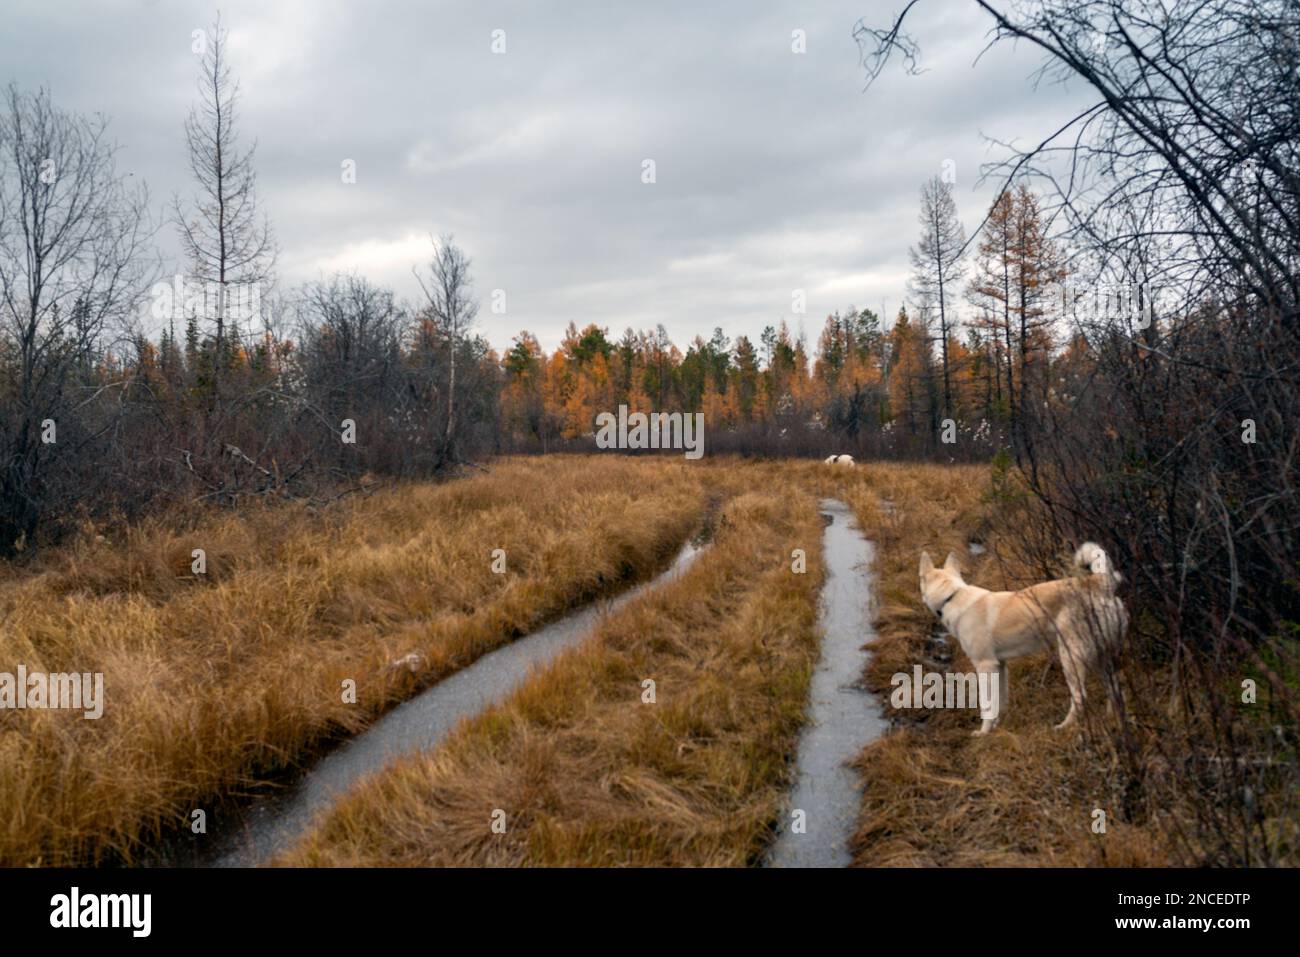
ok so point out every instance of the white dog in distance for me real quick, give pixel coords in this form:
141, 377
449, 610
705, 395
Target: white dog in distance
843, 461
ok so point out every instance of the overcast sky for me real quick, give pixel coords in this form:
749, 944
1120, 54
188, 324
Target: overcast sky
775, 171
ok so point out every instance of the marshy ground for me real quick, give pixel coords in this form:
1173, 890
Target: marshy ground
666, 736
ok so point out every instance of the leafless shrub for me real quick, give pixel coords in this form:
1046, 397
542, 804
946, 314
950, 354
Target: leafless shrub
73, 267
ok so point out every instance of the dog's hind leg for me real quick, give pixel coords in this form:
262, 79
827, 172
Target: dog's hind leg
1075, 675
1112, 662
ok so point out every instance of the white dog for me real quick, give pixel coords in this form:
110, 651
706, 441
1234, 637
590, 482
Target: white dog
1081, 614
843, 461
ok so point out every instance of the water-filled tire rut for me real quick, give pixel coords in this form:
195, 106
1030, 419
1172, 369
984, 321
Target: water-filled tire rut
271, 824
842, 717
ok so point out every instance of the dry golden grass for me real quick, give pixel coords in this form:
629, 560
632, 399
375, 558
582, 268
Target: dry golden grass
933, 795
588, 774
211, 681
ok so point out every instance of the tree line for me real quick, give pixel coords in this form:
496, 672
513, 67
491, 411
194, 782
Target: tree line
246, 392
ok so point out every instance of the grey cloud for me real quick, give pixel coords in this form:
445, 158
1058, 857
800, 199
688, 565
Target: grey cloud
775, 171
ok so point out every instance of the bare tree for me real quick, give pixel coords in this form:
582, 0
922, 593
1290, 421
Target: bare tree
450, 306
73, 233
1191, 146
990, 291
937, 265
226, 239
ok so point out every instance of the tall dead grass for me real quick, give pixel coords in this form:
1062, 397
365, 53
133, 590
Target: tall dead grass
585, 772
211, 681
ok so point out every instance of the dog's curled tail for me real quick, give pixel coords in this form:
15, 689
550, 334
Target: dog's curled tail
1092, 558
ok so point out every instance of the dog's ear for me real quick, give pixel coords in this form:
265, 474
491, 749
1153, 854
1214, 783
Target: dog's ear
950, 564
926, 564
